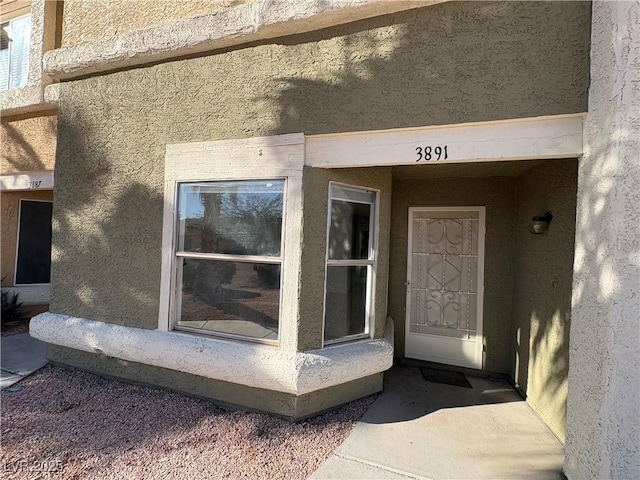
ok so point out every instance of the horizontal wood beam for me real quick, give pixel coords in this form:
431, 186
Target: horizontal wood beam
558, 136
27, 181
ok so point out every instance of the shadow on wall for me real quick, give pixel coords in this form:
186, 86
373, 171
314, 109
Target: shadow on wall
111, 277
388, 73
606, 278
23, 150
543, 271
451, 63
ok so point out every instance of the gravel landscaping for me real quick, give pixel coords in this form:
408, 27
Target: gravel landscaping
75, 425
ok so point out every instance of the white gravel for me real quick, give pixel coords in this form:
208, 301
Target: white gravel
75, 425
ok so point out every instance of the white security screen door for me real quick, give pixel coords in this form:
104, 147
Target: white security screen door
445, 267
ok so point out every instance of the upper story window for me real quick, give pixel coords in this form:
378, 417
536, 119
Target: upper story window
14, 52
228, 257
351, 261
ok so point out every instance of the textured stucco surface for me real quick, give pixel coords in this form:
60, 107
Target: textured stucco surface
251, 364
286, 405
28, 143
498, 195
603, 418
10, 208
88, 20
315, 208
218, 28
543, 272
387, 72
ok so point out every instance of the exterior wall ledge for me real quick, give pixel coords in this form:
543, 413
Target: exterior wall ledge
233, 26
250, 364
31, 97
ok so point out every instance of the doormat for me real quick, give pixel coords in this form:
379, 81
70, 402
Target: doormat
444, 376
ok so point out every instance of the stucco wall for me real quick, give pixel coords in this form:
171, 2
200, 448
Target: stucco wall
287, 405
603, 420
498, 195
10, 208
543, 271
28, 143
387, 72
315, 205
86, 20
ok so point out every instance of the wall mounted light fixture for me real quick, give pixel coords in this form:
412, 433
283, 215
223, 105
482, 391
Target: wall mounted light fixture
540, 223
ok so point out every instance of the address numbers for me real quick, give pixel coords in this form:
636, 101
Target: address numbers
431, 153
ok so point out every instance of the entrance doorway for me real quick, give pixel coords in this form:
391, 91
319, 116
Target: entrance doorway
33, 257
445, 271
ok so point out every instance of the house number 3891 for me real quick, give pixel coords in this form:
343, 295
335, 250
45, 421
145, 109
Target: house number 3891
429, 153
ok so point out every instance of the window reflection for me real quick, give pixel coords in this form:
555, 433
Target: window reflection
238, 218
230, 297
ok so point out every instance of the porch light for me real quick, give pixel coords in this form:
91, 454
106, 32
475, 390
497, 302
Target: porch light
540, 223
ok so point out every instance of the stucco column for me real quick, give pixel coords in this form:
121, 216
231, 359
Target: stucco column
603, 407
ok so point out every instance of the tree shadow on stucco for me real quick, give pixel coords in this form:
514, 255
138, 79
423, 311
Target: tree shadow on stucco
18, 151
453, 63
106, 241
436, 65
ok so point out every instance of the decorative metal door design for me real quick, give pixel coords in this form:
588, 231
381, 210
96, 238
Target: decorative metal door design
445, 264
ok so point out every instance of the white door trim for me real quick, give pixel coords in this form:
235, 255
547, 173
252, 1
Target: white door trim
534, 138
477, 361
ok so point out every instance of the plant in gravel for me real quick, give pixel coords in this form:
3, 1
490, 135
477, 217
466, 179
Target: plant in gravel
11, 308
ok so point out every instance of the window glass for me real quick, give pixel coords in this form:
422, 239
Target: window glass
345, 302
14, 53
228, 263
235, 298
239, 218
349, 230
350, 261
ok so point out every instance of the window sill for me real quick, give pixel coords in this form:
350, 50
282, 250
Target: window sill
226, 336
30, 98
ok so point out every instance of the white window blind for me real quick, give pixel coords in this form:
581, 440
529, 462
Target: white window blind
14, 53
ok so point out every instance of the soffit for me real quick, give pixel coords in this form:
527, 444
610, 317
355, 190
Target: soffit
464, 170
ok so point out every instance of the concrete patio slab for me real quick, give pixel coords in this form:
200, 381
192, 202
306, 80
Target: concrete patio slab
340, 468
429, 430
20, 355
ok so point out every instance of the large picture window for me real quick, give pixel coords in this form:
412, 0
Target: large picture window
350, 263
14, 52
229, 257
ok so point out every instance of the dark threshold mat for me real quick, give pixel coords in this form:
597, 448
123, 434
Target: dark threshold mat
443, 376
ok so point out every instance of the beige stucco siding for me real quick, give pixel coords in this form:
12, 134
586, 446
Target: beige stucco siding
498, 195
543, 269
10, 208
86, 20
387, 72
28, 143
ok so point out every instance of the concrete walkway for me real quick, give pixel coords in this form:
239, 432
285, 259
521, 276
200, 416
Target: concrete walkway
423, 430
20, 355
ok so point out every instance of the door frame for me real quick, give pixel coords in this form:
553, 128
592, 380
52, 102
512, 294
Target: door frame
478, 360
